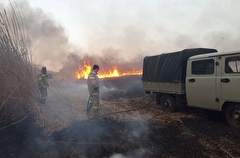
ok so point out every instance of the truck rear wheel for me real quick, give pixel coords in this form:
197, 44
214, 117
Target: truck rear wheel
168, 103
232, 114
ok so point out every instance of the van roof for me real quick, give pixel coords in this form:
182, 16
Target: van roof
224, 53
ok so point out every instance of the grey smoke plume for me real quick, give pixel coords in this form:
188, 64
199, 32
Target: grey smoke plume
136, 32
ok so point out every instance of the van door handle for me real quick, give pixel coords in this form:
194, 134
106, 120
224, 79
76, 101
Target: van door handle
191, 80
226, 80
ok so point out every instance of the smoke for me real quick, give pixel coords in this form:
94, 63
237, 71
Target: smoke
49, 40
123, 32
135, 153
122, 39
218, 25
51, 46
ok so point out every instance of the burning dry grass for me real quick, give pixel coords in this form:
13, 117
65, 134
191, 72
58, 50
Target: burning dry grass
19, 89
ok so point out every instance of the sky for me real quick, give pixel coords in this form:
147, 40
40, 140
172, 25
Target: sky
128, 29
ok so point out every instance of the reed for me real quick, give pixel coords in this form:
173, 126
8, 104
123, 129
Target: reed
18, 86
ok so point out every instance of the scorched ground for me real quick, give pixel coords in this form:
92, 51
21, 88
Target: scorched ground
130, 125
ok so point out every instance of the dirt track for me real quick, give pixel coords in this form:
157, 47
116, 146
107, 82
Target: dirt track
145, 133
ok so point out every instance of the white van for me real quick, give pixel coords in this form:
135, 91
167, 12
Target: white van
199, 77
213, 82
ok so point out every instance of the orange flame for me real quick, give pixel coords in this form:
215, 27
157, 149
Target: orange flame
83, 72
114, 72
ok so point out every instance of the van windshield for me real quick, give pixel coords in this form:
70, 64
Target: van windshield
232, 65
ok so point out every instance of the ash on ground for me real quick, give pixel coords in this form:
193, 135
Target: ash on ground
130, 125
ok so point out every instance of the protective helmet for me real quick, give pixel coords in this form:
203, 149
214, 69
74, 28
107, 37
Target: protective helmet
44, 70
95, 67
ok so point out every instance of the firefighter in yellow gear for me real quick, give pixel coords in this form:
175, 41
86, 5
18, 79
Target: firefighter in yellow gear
43, 84
93, 89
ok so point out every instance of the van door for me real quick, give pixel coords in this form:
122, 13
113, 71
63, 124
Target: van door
230, 79
201, 83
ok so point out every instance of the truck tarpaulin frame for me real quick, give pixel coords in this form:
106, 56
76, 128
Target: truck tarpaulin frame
169, 67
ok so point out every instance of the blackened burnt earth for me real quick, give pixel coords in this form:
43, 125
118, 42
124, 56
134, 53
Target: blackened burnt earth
201, 137
190, 137
187, 133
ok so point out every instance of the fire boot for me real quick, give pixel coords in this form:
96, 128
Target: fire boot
95, 111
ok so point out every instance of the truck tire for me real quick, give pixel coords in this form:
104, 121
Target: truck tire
168, 103
232, 114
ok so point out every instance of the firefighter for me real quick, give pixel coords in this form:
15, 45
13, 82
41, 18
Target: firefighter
93, 88
43, 84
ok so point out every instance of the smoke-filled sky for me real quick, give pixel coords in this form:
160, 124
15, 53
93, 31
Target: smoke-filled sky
127, 29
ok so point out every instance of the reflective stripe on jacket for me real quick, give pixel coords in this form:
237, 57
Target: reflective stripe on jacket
42, 80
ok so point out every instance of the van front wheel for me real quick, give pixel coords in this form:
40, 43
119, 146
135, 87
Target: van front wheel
168, 103
232, 114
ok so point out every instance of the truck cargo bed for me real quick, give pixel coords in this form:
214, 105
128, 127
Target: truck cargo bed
166, 73
164, 87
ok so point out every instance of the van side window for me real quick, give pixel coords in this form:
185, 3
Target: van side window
232, 65
202, 67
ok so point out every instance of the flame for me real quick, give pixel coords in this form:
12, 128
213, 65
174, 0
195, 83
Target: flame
114, 72
83, 72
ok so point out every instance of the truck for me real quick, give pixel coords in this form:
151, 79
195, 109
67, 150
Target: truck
197, 77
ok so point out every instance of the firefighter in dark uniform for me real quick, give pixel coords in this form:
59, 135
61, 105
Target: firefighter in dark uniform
43, 84
93, 88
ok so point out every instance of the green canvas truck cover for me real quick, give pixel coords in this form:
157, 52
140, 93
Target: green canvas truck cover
169, 67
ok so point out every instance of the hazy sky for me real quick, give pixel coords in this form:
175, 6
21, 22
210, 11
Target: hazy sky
87, 18
129, 27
